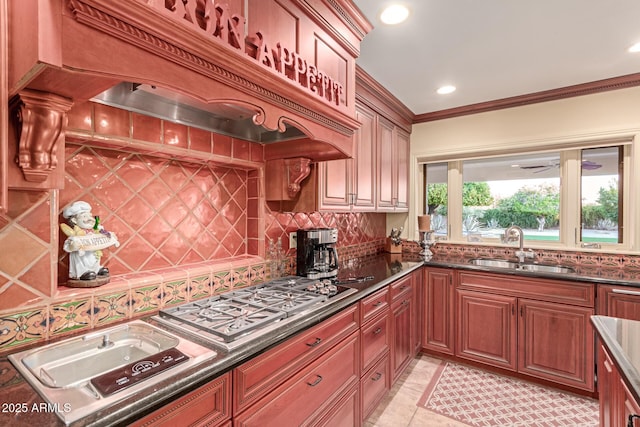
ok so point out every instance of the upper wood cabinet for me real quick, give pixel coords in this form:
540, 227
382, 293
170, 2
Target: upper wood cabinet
350, 183
376, 178
393, 167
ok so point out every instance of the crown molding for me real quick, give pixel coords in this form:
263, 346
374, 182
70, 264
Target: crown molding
598, 86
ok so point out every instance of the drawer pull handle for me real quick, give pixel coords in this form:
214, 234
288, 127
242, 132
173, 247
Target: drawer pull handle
316, 382
315, 343
377, 303
625, 292
377, 331
376, 377
405, 302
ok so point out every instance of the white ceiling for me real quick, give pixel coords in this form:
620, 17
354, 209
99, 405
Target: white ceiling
495, 49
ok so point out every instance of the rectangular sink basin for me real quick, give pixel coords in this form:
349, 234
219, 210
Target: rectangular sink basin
88, 373
79, 359
544, 268
540, 268
495, 263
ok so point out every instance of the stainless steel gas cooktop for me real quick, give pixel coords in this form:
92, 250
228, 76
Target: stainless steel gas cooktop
232, 319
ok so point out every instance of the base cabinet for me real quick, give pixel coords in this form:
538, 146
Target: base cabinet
374, 386
617, 404
536, 327
402, 325
438, 327
208, 405
619, 301
309, 395
556, 343
487, 330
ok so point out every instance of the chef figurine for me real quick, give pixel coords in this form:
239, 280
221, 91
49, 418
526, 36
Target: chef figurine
85, 240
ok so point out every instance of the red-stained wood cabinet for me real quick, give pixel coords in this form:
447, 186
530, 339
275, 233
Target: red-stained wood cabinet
537, 327
315, 391
393, 167
487, 328
619, 301
438, 328
208, 405
617, 403
350, 184
401, 325
376, 338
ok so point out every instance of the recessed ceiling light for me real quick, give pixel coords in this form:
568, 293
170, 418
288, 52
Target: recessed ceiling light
394, 14
635, 48
446, 89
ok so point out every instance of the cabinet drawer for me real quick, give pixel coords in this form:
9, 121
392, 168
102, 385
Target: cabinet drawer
260, 375
400, 287
374, 304
374, 385
311, 393
375, 339
206, 405
574, 293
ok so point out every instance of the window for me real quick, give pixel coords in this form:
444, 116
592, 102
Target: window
436, 196
572, 197
517, 190
601, 193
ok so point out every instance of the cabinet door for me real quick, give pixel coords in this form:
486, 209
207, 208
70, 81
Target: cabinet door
386, 168
334, 182
365, 161
401, 350
438, 329
619, 301
609, 391
487, 328
402, 171
417, 314
556, 342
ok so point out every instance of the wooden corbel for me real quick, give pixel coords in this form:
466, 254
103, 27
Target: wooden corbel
283, 177
40, 119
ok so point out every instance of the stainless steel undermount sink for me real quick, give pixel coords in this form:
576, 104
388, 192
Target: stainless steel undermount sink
495, 263
87, 373
504, 264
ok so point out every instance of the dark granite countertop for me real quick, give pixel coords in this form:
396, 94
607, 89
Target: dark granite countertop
22, 406
621, 337
583, 273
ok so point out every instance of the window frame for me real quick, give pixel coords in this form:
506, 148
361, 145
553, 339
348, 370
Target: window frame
570, 196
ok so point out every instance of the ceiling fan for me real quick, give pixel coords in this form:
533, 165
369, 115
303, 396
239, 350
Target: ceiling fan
586, 164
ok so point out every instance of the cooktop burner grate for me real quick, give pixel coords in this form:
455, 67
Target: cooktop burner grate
225, 318
232, 316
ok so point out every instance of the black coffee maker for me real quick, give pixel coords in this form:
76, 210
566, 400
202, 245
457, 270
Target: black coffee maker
317, 257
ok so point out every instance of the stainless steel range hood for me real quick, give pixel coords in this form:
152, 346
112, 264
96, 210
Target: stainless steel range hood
225, 118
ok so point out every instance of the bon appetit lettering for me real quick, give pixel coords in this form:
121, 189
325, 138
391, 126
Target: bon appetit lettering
216, 21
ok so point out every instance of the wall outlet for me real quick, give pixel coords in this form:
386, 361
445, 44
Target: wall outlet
293, 240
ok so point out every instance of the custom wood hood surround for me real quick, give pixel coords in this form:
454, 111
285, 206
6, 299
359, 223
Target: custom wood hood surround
286, 67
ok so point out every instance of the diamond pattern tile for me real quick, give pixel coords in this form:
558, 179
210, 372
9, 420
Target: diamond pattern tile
481, 398
165, 213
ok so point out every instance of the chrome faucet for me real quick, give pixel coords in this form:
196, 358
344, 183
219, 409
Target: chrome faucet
521, 253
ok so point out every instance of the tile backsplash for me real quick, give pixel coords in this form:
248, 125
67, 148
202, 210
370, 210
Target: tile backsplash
190, 225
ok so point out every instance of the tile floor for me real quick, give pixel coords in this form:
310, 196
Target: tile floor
399, 409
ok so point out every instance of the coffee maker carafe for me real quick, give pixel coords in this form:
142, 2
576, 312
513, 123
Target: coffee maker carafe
317, 257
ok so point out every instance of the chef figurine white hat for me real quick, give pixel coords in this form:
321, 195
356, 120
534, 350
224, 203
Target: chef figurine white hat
75, 208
